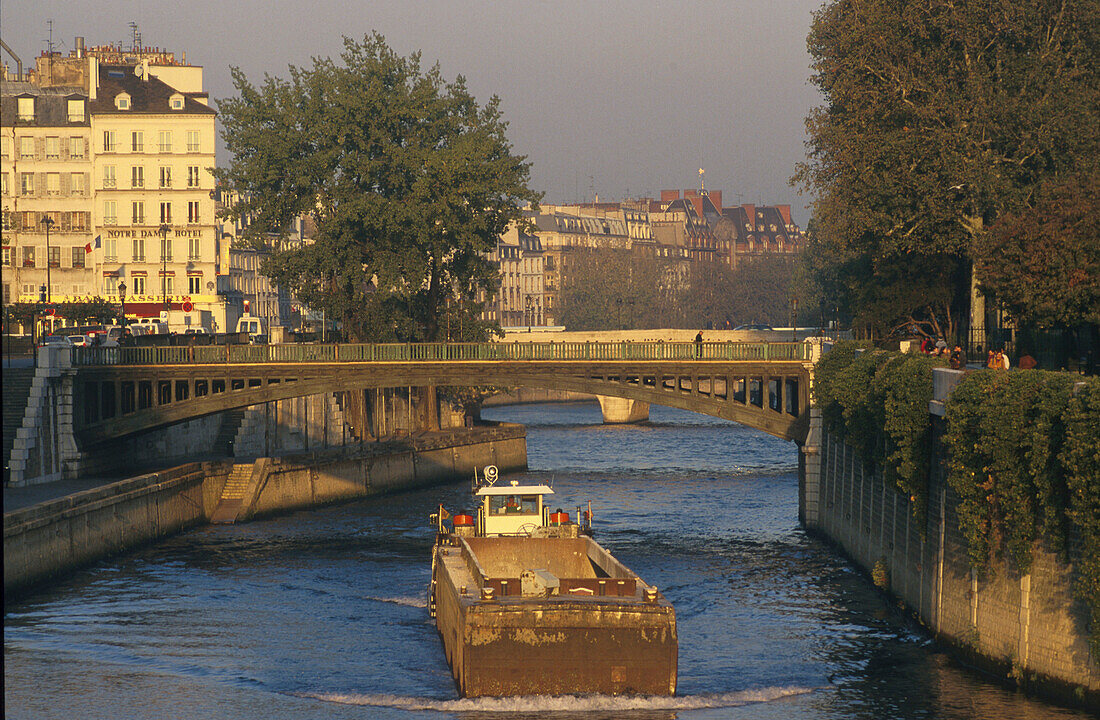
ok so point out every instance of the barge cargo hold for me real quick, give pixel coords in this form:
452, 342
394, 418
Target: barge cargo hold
545, 609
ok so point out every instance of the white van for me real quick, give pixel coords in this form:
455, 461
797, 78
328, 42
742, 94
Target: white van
254, 326
149, 326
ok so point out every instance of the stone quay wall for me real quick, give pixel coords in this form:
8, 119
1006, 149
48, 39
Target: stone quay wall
1028, 629
294, 482
47, 541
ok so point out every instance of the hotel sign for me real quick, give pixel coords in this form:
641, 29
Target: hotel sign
152, 233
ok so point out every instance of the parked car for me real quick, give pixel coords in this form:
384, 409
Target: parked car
56, 341
80, 340
110, 336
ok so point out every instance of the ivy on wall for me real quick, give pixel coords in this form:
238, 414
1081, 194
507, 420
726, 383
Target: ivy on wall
1023, 452
1080, 459
878, 402
1024, 459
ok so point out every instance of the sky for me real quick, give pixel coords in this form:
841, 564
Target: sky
607, 98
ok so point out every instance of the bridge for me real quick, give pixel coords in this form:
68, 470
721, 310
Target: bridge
120, 391
84, 399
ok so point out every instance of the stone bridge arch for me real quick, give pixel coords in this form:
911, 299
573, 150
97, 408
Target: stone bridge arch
96, 395
113, 401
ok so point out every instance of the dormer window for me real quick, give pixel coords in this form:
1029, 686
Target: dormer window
76, 111
122, 101
176, 102
26, 108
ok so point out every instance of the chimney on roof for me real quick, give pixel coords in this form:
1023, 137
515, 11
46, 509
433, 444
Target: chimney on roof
716, 198
668, 196
79, 46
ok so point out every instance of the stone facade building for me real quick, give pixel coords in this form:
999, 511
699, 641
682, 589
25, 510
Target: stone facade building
241, 283
680, 228
116, 146
46, 167
521, 299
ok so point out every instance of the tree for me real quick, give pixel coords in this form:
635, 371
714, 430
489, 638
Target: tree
654, 292
758, 291
96, 309
24, 313
606, 288
409, 181
1042, 263
939, 118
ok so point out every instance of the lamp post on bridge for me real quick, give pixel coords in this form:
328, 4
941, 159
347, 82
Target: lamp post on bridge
122, 298
48, 222
164, 230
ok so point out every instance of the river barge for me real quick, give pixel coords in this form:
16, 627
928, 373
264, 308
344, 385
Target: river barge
527, 603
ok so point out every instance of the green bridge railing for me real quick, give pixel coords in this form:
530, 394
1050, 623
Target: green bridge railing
438, 352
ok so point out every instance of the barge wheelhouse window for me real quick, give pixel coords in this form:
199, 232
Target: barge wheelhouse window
514, 505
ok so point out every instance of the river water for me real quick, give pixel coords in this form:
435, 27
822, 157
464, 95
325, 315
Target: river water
320, 614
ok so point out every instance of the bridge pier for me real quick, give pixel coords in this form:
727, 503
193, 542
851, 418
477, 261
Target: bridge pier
618, 410
809, 474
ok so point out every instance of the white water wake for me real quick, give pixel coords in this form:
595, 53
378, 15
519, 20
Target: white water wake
406, 601
564, 703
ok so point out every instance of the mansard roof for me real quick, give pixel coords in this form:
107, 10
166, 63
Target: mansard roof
51, 105
147, 96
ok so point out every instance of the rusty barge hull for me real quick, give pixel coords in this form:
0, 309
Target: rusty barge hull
598, 634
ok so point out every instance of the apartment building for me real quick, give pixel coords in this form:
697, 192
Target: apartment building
138, 200
521, 299
46, 171
681, 228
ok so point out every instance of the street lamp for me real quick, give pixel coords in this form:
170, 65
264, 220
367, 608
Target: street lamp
527, 311
122, 296
164, 230
48, 222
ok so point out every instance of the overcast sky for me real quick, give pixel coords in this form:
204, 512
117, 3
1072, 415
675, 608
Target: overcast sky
610, 98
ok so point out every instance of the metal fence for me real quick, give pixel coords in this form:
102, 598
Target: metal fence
438, 352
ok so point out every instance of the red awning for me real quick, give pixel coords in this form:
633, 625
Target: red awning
150, 309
